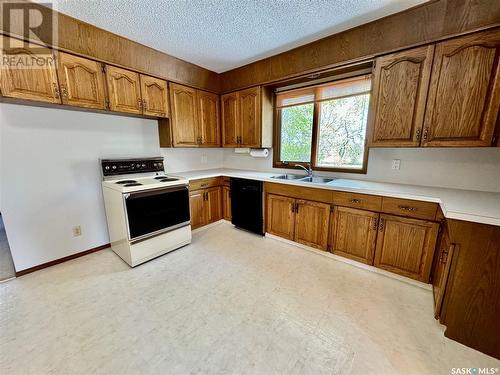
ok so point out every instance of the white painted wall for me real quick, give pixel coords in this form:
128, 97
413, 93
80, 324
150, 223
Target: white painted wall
460, 168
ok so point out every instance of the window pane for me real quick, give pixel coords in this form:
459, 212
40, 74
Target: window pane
296, 133
342, 129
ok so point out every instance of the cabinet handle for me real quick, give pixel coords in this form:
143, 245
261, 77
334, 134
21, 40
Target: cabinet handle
204, 185
56, 90
408, 208
355, 201
375, 223
426, 133
144, 106
381, 225
296, 208
417, 135
64, 91
139, 103
292, 207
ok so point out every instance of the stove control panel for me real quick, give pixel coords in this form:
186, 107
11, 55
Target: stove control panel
112, 167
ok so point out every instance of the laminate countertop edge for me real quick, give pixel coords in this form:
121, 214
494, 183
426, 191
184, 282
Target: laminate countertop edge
467, 205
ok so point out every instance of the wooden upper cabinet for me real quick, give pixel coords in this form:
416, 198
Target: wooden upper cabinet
464, 92
312, 223
124, 90
406, 246
399, 93
230, 119
353, 233
81, 81
250, 117
208, 118
184, 116
280, 219
154, 96
38, 84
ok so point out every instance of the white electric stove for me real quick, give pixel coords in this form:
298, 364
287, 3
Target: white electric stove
147, 211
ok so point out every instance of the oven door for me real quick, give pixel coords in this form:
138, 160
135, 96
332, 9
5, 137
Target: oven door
156, 211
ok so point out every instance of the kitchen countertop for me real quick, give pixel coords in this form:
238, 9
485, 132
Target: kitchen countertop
469, 205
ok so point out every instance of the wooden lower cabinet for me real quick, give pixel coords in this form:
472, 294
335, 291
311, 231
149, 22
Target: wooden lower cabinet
406, 246
226, 203
280, 216
442, 266
353, 233
311, 223
205, 206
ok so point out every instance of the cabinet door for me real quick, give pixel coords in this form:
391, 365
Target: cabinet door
406, 246
354, 233
81, 81
442, 270
184, 116
230, 120
399, 93
208, 118
250, 117
124, 90
25, 83
226, 202
464, 93
312, 223
213, 208
280, 216
197, 208
154, 96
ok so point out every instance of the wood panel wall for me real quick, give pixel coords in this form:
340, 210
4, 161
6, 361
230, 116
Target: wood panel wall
425, 23
86, 40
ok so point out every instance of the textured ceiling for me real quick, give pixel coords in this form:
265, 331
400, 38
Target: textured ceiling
223, 34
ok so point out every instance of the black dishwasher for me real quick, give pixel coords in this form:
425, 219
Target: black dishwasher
246, 205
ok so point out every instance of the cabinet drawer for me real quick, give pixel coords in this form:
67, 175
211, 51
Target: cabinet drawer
204, 183
410, 208
363, 201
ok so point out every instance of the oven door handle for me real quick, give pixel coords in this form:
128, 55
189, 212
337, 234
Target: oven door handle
142, 194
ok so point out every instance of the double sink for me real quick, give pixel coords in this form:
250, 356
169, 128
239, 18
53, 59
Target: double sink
313, 179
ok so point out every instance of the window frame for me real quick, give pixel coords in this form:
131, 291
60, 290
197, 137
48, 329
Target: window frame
277, 163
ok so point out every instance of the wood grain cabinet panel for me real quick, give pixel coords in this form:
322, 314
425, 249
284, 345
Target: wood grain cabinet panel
353, 233
250, 117
208, 118
280, 216
197, 208
444, 256
406, 246
30, 84
213, 207
399, 94
312, 223
226, 202
154, 96
81, 81
184, 116
464, 92
124, 90
230, 119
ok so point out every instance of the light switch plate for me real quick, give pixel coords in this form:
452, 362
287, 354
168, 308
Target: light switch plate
396, 163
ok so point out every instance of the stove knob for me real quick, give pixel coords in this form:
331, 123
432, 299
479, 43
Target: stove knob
114, 167
143, 165
137, 165
106, 167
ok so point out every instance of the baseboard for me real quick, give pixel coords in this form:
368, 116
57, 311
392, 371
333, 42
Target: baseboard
353, 263
61, 260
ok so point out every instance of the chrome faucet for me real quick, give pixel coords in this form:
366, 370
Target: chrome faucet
308, 169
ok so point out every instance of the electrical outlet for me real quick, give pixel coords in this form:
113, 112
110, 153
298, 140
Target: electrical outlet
396, 163
77, 231
204, 159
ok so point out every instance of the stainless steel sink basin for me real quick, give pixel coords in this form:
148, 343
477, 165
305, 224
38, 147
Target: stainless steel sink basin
317, 180
288, 177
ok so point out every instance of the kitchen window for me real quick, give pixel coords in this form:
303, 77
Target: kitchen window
324, 125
